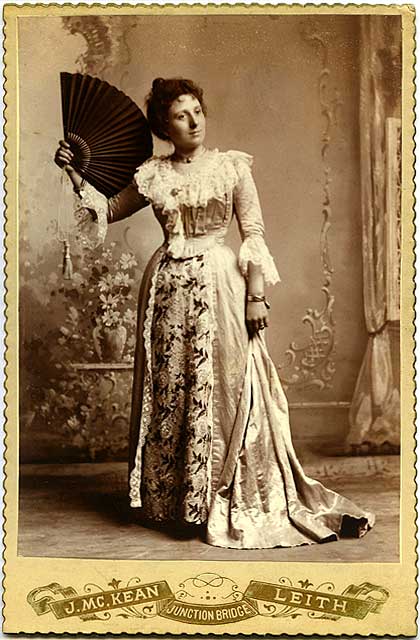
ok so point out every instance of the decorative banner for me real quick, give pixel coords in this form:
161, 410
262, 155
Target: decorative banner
208, 599
43, 599
329, 604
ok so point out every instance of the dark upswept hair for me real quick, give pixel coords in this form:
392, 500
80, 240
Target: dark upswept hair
162, 95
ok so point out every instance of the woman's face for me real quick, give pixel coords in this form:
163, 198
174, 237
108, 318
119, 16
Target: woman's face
186, 123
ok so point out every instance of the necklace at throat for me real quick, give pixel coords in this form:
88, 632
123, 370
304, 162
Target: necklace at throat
185, 159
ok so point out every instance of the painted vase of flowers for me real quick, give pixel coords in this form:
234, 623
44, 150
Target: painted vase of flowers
101, 319
109, 342
113, 311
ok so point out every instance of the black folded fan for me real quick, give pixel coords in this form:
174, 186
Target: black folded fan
106, 130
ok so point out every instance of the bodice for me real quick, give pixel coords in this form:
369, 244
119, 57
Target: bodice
214, 218
192, 201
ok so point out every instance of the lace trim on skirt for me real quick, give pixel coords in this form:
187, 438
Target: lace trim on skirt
147, 405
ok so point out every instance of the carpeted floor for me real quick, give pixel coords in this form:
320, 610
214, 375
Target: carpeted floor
81, 511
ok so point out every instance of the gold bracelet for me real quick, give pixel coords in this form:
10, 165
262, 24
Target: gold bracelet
252, 298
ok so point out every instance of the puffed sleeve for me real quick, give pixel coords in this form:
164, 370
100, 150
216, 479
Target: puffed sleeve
251, 226
107, 210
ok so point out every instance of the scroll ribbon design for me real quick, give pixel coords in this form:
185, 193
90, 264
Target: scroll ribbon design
41, 598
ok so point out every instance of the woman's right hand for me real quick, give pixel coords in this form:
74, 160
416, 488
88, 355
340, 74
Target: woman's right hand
64, 156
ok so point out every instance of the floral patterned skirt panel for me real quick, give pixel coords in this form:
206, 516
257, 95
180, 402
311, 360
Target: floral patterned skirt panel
199, 343
177, 449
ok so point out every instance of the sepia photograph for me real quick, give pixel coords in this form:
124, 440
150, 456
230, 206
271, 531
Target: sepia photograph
205, 237
165, 190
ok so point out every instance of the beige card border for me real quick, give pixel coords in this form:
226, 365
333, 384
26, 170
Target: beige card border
24, 574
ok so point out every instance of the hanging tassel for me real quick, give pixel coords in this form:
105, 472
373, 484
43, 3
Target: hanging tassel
67, 263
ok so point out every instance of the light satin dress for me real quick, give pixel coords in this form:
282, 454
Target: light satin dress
210, 433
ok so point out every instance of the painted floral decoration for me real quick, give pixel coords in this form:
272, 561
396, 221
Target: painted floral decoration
100, 294
82, 415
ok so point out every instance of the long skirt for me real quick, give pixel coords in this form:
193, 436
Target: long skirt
210, 435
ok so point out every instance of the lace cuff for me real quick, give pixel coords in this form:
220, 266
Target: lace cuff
254, 249
90, 198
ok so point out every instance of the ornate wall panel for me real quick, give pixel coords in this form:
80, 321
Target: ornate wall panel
312, 364
106, 46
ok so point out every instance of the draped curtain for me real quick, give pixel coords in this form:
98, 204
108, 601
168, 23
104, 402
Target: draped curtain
375, 408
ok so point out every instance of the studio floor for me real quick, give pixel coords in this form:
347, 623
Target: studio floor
81, 511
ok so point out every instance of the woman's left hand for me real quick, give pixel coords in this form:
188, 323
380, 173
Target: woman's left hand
256, 317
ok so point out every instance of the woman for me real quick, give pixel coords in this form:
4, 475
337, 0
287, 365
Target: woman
210, 437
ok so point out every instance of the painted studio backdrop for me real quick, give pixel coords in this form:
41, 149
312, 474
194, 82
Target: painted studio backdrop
316, 101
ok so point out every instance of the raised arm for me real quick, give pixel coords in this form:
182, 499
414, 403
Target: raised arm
120, 206
103, 210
